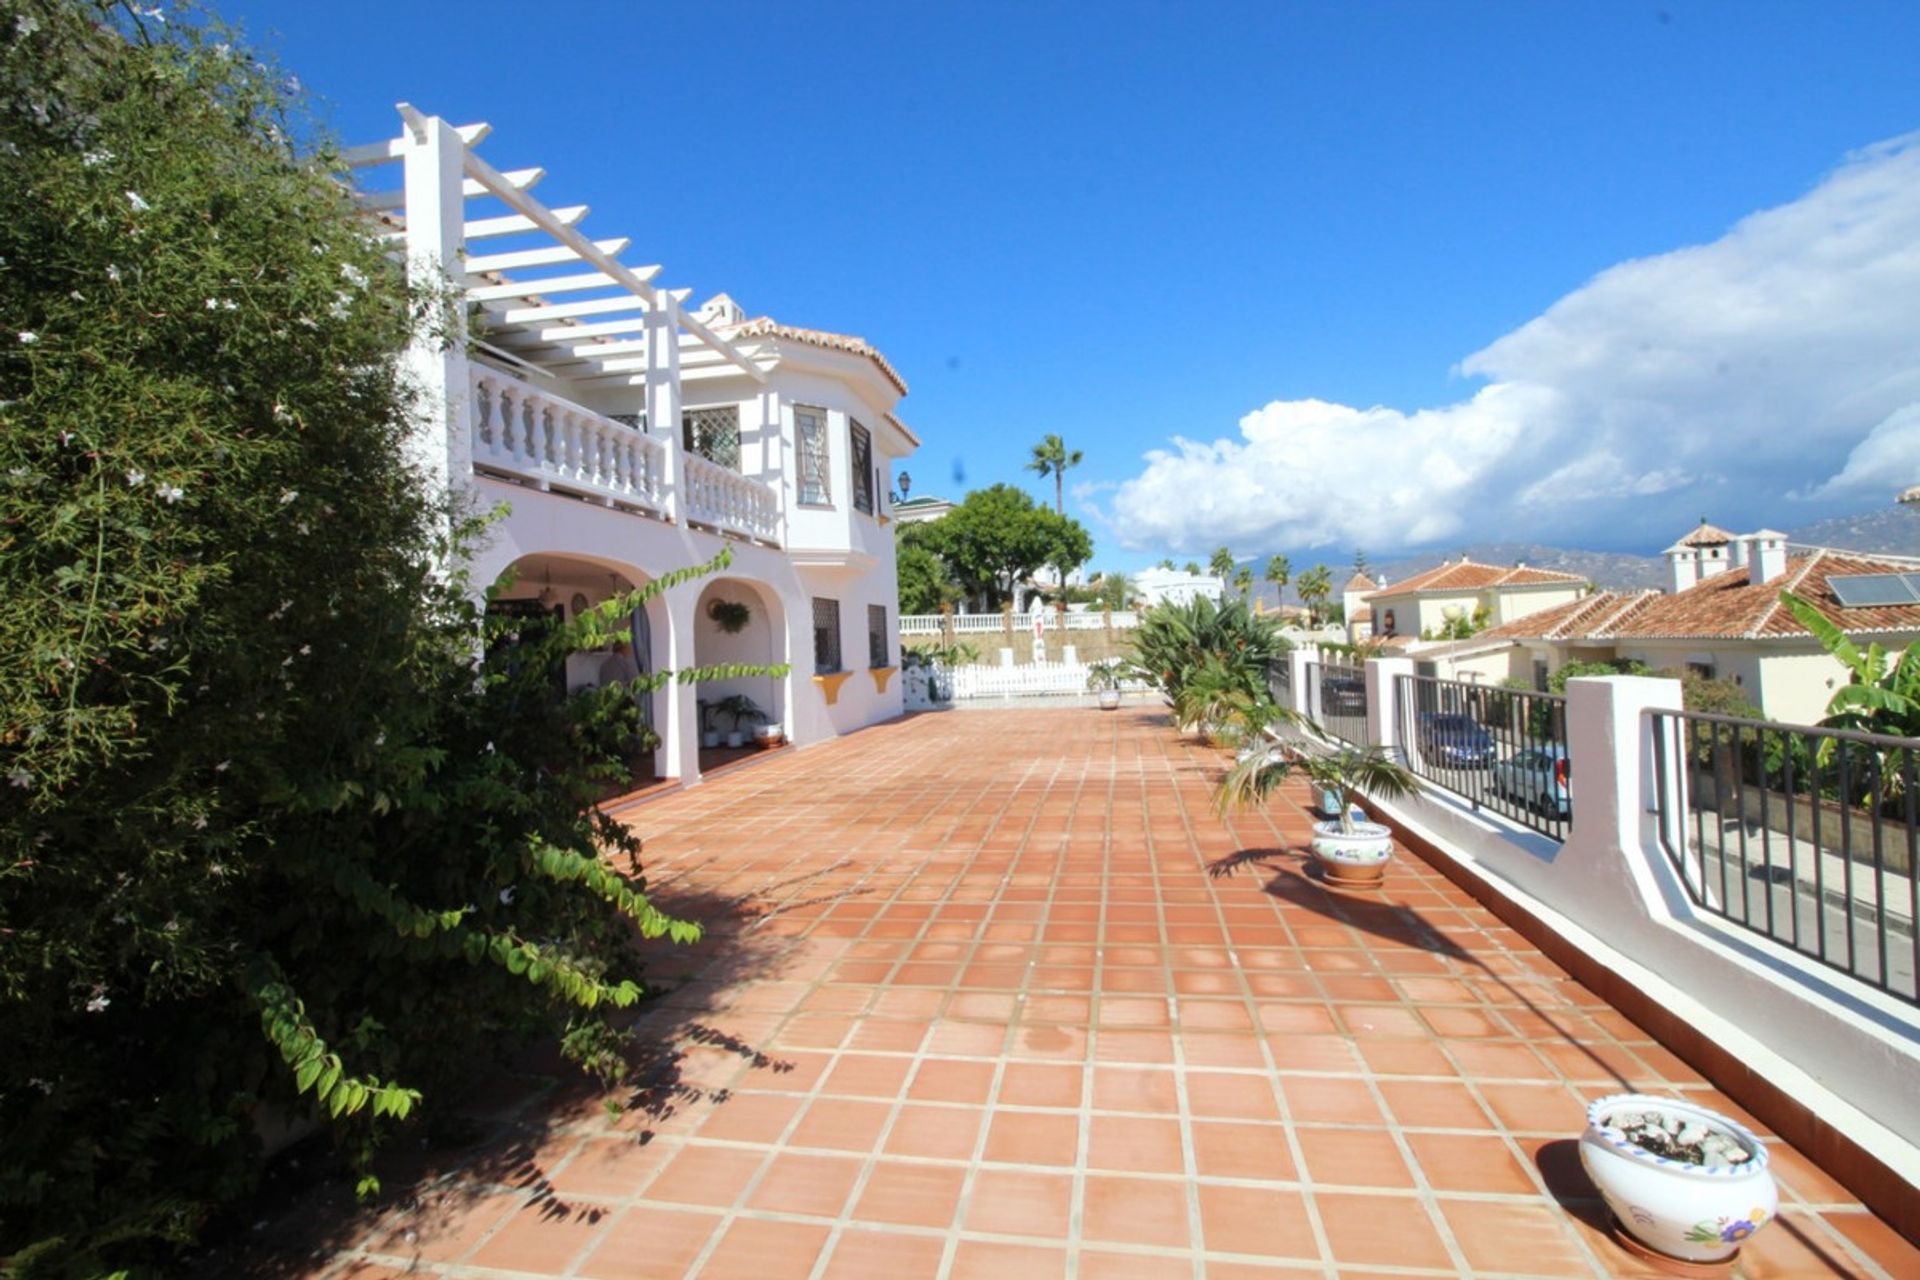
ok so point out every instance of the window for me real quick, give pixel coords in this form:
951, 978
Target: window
876, 635
862, 452
714, 434
638, 421
1702, 669
810, 429
826, 636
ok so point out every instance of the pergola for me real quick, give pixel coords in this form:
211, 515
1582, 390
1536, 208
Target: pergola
597, 324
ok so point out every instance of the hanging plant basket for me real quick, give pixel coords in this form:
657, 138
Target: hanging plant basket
730, 616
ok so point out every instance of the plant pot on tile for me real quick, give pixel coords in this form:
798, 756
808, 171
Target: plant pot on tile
767, 734
1684, 1182
1349, 850
1103, 680
742, 713
709, 732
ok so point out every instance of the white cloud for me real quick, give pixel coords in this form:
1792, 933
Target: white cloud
1752, 378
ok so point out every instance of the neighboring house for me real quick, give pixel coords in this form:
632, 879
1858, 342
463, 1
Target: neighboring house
1353, 606
1159, 586
922, 508
1463, 589
1723, 619
630, 438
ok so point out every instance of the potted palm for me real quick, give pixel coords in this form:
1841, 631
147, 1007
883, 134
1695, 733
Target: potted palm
1103, 679
1349, 850
740, 711
709, 735
1683, 1183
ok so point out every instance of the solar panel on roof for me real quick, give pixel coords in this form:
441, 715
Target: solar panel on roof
1866, 590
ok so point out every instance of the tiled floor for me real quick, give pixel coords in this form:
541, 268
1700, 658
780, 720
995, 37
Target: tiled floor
971, 1004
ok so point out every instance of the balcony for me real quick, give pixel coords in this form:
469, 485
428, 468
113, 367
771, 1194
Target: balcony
522, 433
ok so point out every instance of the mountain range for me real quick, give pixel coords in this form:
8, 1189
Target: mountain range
1889, 530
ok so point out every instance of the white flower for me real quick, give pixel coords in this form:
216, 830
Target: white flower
20, 777
136, 477
139, 205
223, 766
305, 649
200, 823
353, 275
44, 1086
290, 494
172, 492
98, 1004
66, 437
159, 644
506, 896
93, 158
113, 272
212, 305
27, 339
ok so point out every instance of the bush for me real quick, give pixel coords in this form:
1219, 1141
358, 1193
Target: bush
276, 842
1234, 646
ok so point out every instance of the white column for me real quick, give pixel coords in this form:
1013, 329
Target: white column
679, 753
434, 167
1383, 709
1610, 749
663, 401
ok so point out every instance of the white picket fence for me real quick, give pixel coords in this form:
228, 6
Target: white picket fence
982, 680
929, 624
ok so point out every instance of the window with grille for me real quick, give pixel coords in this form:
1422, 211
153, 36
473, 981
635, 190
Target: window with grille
714, 434
810, 427
862, 452
876, 635
826, 636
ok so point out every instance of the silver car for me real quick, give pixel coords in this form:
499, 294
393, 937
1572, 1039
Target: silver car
1538, 777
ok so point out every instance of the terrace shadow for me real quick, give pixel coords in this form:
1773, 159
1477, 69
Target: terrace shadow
490, 1141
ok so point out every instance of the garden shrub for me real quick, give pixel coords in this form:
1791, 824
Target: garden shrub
277, 842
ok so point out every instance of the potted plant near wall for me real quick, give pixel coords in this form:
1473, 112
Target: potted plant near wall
1682, 1182
1350, 851
741, 712
1103, 680
709, 733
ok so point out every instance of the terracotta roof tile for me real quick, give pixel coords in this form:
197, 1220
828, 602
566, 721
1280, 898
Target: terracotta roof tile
1707, 535
1469, 575
1360, 582
1725, 606
768, 327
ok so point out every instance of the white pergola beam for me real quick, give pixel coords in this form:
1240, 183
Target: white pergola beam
551, 284
540, 257
514, 224
568, 332
496, 183
371, 153
383, 201
542, 314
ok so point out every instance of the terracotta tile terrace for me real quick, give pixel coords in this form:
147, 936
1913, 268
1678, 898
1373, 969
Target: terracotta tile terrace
971, 1004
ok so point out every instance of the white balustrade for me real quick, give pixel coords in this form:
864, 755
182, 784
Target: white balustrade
519, 430
930, 624
719, 496
1034, 679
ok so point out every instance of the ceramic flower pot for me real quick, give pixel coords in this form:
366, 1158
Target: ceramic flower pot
1692, 1212
711, 738
736, 739
1359, 857
1109, 699
767, 735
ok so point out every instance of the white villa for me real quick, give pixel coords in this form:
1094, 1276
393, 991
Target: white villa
1156, 586
631, 437
1459, 590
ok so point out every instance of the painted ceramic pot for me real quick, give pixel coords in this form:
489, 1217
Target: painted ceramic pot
1109, 699
1693, 1212
1359, 857
767, 735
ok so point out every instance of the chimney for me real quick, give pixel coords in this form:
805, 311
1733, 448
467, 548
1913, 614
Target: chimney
1683, 568
1713, 560
1767, 556
1737, 553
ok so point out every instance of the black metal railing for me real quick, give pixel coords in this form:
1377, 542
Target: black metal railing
1280, 681
1503, 750
1804, 835
1341, 705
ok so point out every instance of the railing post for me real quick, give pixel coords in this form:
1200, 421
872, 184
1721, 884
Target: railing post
1383, 711
1610, 748
1300, 659
663, 403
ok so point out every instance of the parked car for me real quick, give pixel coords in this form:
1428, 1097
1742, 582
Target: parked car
1539, 778
1343, 695
1454, 741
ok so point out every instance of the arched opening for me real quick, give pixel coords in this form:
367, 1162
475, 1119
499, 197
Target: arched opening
738, 621
562, 588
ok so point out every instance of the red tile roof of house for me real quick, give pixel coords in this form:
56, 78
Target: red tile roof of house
1724, 606
1469, 575
1360, 582
768, 327
1707, 535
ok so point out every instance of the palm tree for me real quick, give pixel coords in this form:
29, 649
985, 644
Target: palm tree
1243, 581
1314, 586
1051, 457
1279, 573
1193, 568
1221, 562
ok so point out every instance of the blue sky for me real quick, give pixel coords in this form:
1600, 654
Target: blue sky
1248, 227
